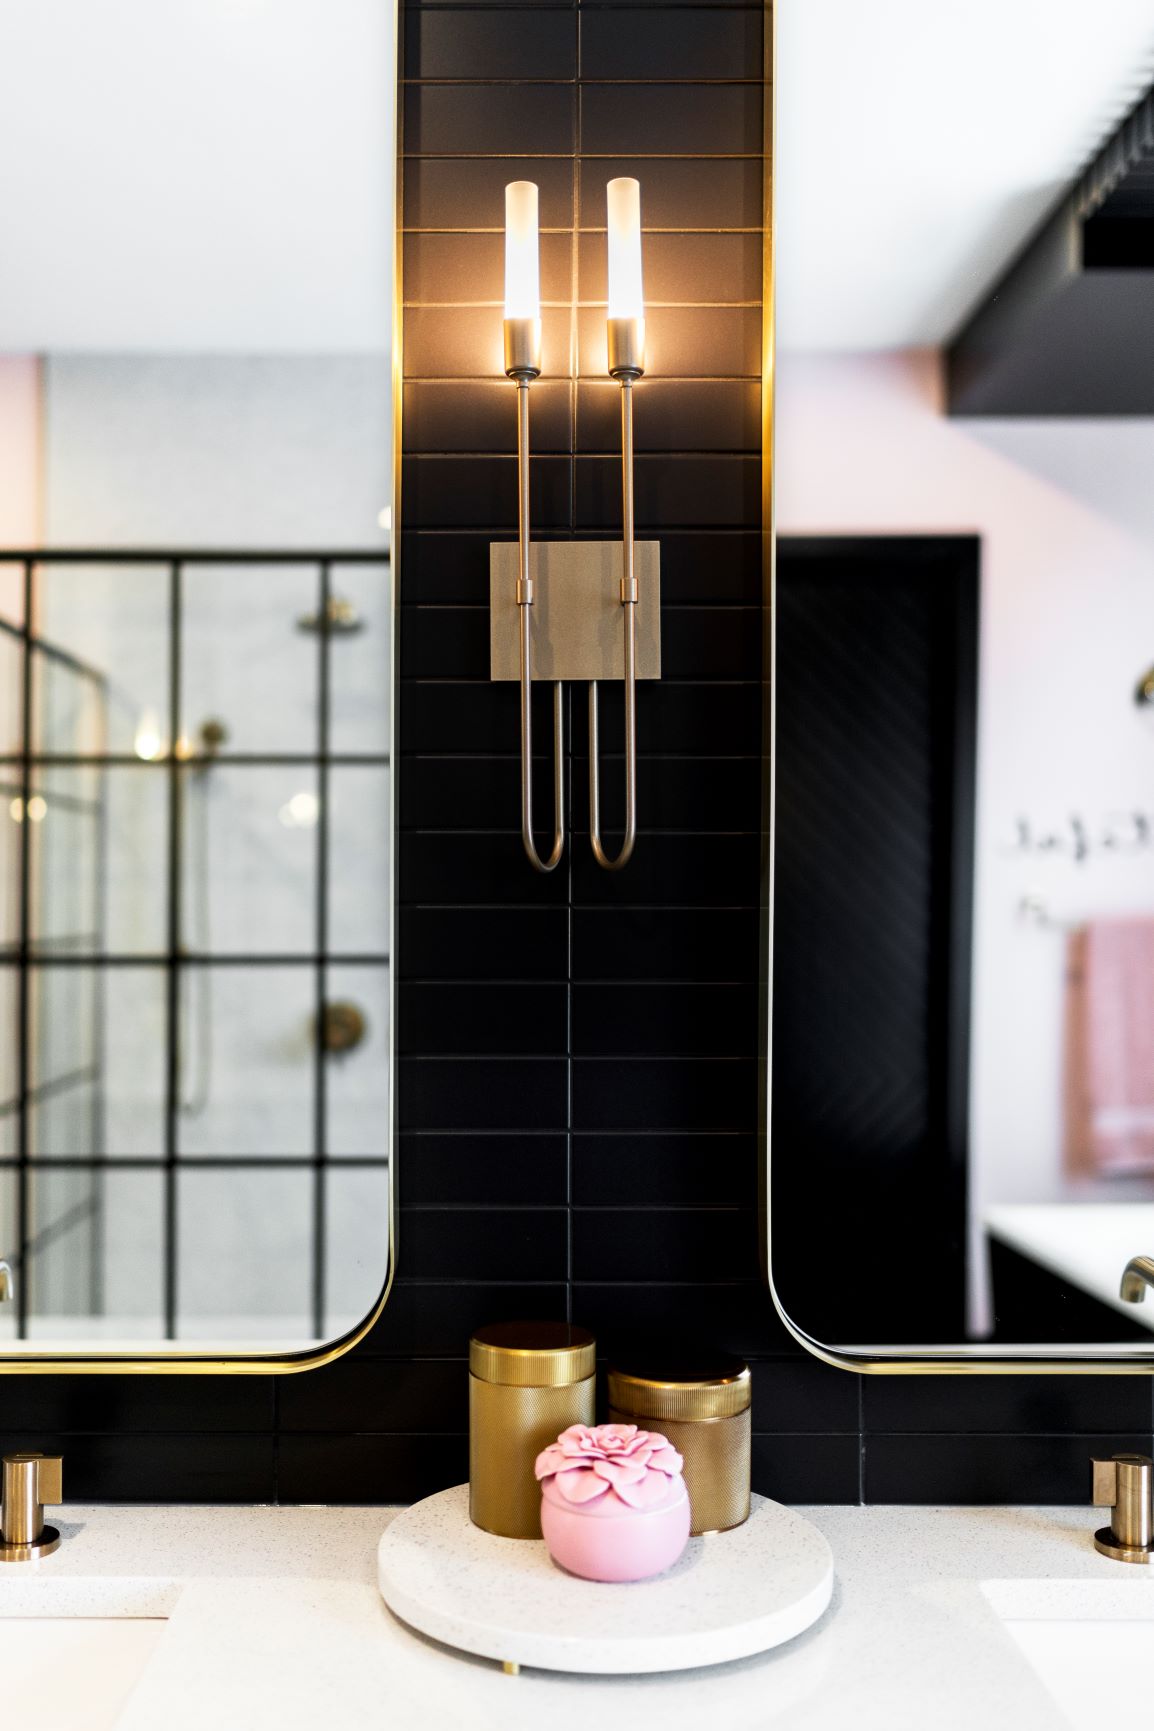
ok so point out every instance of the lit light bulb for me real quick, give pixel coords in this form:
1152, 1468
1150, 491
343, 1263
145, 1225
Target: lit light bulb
522, 263
301, 811
37, 809
16, 809
146, 743
385, 519
623, 205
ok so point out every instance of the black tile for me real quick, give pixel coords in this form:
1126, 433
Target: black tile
476, 492
708, 714
680, 416
158, 1467
139, 1403
321, 1468
473, 793
469, 192
374, 1394
480, 717
501, 1244
444, 565
666, 119
670, 1170
694, 269
444, 416
664, 1244
680, 343
719, 569
807, 1469
436, 1318
712, 643
736, 1316
466, 1170
665, 1094
670, 42
705, 492
444, 642
687, 793
470, 43
802, 1394
1007, 1403
625, 1019
453, 869
638, 944
437, 1020
693, 192
988, 1469
508, 119
483, 943
482, 1093
469, 269
467, 343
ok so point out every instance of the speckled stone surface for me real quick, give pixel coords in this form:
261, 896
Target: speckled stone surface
729, 1594
276, 1623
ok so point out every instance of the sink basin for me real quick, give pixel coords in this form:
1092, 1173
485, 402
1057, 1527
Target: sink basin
72, 1673
1090, 1642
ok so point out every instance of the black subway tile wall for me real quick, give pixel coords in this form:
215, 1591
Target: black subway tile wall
577, 1053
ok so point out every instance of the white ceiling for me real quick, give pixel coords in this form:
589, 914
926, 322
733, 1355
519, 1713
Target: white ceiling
920, 141
195, 175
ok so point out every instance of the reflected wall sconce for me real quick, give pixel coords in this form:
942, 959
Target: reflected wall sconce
580, 611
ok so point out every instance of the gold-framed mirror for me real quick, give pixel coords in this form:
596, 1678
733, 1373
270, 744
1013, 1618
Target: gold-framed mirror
199, 414
962, 1153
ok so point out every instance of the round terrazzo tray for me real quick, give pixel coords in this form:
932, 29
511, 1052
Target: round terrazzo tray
730, 1594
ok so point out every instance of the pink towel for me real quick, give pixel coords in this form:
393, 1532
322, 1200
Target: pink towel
1112, 998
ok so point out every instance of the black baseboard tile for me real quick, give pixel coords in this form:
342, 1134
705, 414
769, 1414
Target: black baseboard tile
807, 1469
1013, 1404
988, 1469
160, 1467
138, 1403
358, 1393
322, 1467
803, 1394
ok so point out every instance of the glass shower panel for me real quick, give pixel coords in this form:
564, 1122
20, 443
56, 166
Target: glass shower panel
356, 1081
360, 825
359, 659
247, 1060
247, 663
113, 621
250, 865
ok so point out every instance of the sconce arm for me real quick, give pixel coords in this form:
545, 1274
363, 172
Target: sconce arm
524, 602
629, 615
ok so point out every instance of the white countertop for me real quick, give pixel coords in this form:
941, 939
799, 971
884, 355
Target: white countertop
275, 1624
1086, 1244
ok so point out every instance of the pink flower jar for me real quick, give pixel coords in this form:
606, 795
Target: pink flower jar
613, 1502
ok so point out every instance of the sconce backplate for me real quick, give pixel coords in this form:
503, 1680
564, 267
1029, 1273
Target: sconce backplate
575, 618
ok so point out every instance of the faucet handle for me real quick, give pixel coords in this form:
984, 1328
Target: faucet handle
29, 1481
1125, 1483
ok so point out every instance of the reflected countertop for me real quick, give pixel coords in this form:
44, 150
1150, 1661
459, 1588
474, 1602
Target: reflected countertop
274, 1621
1087, 1244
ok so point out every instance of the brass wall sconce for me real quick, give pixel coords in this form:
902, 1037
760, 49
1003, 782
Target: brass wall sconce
567, 625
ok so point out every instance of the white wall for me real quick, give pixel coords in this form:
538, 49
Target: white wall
1065, 510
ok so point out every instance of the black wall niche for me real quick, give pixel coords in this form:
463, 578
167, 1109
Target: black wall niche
578, 1093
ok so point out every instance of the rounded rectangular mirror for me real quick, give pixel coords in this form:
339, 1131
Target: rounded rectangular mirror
962, 1135
196, 678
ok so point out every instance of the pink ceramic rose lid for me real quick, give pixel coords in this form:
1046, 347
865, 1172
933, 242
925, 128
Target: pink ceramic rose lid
588, 1461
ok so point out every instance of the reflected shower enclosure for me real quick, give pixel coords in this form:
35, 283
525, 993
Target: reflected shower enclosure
195, 891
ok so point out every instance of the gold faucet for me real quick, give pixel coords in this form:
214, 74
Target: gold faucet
1124, 1483
1137, 1276
29, 1481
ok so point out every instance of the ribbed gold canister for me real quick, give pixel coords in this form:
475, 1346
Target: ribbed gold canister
528, 1381
702, 1406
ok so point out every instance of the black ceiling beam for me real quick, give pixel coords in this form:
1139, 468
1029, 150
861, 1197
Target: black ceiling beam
1069, 327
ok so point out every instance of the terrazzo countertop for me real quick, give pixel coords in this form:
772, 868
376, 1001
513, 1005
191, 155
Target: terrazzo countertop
274, 1623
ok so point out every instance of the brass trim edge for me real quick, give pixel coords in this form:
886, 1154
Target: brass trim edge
181, 1363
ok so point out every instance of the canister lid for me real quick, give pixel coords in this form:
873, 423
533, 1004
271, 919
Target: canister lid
532, 1354
702, 1386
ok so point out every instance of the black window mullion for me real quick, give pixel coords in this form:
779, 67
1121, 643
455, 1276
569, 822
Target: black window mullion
172, 958
320, 1074
23, 1011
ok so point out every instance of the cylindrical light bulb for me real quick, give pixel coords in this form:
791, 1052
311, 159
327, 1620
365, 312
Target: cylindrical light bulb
522, 265
623, 199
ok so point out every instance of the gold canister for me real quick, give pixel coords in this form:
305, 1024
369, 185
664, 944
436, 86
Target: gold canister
528, 1381
702, 1406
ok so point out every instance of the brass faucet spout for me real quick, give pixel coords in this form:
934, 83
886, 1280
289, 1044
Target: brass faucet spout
1138, 1275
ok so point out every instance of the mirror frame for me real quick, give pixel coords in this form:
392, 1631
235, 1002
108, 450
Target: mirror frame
192, 1361
959, 1359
